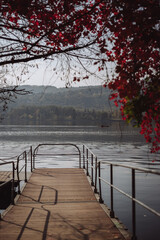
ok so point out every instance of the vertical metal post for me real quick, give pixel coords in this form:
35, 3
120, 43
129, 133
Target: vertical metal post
25, 158
83, 156
95, 185
87, 161
34, 161
111, 191
133, 206
19, 191
31, 158
92, 183
99, 176
79, 159
12, 190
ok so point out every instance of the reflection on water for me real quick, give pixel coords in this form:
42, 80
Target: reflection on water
126, 147
109, 144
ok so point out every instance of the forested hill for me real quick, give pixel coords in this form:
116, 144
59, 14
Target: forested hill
48, 105
90, 97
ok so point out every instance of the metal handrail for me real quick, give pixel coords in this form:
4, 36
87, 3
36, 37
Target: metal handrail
88, 154
24, 166
129, 196
35, 151
12, 180
16, 167
99, 179
133, 197
136, 168
9, 158
93, 169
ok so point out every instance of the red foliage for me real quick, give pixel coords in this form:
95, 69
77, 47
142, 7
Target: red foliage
136, 52
123, 32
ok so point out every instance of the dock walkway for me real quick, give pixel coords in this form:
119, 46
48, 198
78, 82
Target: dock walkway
7, 175
58, 204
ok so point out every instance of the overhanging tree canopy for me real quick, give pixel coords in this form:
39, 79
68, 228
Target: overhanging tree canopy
98, 31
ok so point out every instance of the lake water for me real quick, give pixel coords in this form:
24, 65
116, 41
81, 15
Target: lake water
115, 144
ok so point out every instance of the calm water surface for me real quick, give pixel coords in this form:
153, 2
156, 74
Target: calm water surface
112, 144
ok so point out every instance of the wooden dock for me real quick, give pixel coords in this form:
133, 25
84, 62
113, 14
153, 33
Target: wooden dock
7, 175
58, 204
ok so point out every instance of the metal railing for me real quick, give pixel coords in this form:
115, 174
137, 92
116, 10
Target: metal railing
22, 164
21, 158
93, 169
36, 152
96, 166
90, 162
12, 180
30, 154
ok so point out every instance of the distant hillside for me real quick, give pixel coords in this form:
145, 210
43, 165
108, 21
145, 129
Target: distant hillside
91, 97
53, 115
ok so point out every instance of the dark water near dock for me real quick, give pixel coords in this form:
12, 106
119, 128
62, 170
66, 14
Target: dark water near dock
115, 144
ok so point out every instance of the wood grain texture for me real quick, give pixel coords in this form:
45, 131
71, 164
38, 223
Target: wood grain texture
58, 204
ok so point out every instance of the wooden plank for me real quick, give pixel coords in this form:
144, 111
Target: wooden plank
58, 204
7, 175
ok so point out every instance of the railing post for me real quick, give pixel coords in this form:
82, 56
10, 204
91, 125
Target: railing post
19, 191
111, 191
92, 183
25, 158
95, 185
87, 161
133, 206
12, 190
83, 157
99, 176
79, 159
31, 158
34, 161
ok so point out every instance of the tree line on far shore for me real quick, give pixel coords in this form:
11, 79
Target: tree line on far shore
53, 115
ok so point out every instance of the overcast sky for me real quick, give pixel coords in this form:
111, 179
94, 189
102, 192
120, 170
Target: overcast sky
43, 77
42, 74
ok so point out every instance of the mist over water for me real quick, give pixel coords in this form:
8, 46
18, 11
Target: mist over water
123, 146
